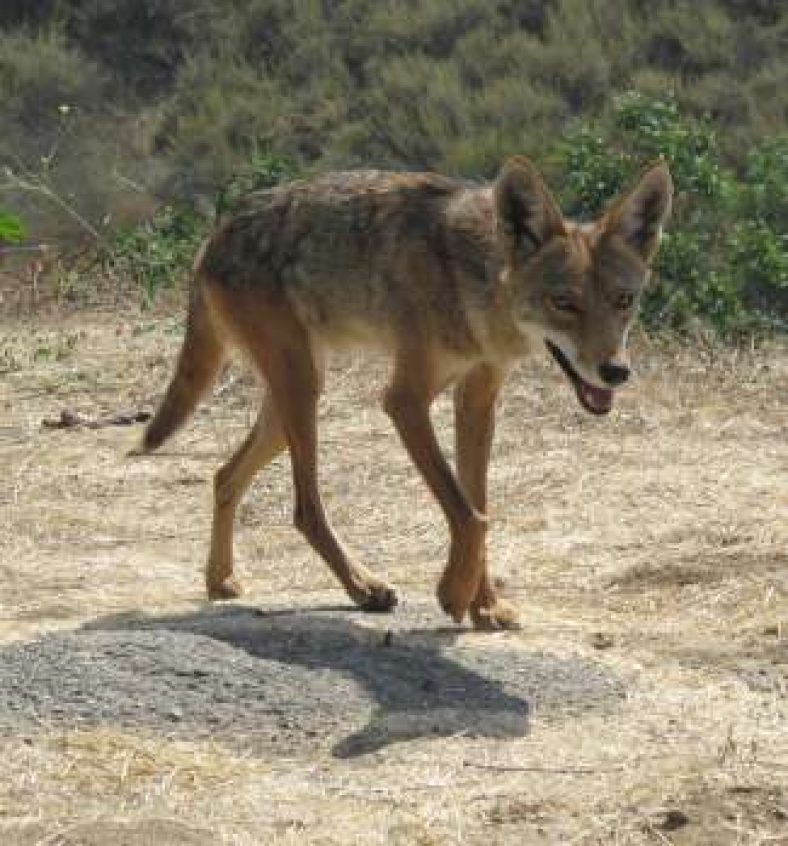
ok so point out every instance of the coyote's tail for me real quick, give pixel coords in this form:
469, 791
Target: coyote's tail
200, 358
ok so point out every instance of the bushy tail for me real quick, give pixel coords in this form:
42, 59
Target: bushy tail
201, 356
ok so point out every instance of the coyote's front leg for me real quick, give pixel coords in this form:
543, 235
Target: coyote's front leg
408, 403
474, 419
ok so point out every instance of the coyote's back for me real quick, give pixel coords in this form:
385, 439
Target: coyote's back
361, 253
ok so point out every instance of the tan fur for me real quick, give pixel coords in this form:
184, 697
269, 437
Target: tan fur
457, 282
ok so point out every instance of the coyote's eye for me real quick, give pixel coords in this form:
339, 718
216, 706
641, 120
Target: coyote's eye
565, 303
625, 300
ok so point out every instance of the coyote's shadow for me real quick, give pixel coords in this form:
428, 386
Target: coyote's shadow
419, 683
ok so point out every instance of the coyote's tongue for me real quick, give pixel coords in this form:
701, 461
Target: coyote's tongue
598, 400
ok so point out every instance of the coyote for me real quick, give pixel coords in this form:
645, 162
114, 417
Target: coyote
455, 281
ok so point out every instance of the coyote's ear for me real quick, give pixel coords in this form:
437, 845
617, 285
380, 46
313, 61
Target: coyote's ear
527, 214
638, 216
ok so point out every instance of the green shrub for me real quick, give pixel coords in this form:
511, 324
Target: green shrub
12, 229
264, 170
589, 171
757, 257
765, 193
159, 251
652, 128
690, 285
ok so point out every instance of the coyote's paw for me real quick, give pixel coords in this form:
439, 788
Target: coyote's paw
498, 616
229, 588
455, 597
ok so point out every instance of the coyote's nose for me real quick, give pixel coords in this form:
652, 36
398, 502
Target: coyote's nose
613, 374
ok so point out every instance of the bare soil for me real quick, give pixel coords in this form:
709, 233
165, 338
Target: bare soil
644, 701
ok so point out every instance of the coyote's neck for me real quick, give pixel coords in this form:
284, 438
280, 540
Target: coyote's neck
488, 296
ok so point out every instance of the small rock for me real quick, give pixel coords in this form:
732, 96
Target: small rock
673, 820
601, 640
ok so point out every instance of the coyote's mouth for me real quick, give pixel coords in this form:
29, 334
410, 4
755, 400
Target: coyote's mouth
593, 399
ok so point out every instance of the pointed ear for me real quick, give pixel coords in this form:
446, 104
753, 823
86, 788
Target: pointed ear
528, 216
638, 217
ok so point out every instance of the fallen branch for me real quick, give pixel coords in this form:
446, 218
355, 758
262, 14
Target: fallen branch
513, 768
73, 420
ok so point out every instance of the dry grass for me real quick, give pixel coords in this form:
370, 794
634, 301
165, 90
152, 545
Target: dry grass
653, 543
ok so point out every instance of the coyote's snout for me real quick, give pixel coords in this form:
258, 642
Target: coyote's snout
457, 283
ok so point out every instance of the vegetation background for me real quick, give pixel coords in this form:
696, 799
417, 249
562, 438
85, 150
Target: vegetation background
124, 124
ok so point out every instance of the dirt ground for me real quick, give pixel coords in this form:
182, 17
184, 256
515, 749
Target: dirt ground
644, 701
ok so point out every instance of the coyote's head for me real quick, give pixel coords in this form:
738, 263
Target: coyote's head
578, 285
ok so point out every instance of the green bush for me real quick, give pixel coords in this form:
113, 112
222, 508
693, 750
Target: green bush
264, 170
765, 194
691, 286
12, 229
158, 252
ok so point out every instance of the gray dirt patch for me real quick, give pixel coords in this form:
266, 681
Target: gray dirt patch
291, 680
139, 832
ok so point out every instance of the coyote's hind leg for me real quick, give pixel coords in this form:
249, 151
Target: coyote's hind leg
297, 401
280, 346
262, 445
